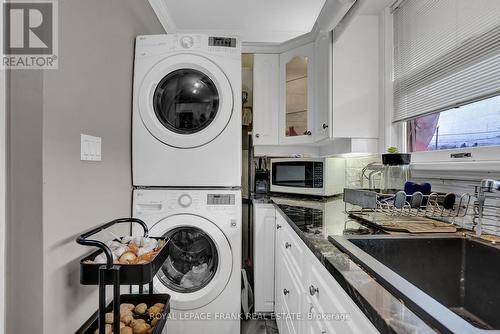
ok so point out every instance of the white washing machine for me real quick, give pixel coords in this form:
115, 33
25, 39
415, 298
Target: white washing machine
186, 129
202, 272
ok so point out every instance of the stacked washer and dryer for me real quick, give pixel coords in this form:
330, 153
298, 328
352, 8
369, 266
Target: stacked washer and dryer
186, 164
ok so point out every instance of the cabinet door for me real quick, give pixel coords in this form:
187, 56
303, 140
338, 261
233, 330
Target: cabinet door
297, 95
330, 300
323, 105
313, 323
278, 269
265, 99
263, 253
292, 294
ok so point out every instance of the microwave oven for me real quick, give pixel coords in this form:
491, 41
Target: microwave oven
308, 176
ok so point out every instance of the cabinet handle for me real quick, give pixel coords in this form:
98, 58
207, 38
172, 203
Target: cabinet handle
313, 290
278, 226
308, 133
325, 126
257, 135
288, 245
286, 292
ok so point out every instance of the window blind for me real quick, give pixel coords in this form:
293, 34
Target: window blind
446, 54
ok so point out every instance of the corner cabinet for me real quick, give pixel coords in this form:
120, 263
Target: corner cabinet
325, 89
308, 300
296, 95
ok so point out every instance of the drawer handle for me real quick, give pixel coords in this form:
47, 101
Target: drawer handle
286, 292
288, 245
313, 290
257, 135
278, 226
325, 126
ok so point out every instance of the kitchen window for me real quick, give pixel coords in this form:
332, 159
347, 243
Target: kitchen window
473, 125
446, 85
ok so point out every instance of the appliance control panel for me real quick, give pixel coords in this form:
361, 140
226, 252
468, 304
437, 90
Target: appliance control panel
226, 42
220, 199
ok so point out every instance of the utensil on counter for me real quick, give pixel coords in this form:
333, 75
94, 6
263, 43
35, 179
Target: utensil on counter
416, 200
400, 200
449, 202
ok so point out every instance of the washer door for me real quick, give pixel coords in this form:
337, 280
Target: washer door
200, 261
185, 101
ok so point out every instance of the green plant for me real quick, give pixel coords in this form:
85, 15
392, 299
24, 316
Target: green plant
392, 150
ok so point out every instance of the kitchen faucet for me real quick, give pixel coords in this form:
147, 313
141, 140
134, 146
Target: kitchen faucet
487, 186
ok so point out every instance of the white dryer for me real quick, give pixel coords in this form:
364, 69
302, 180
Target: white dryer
202, 272
186, 128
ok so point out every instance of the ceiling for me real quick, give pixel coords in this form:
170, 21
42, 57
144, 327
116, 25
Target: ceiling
272, 21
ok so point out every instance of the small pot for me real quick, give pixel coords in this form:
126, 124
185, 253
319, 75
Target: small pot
396, 159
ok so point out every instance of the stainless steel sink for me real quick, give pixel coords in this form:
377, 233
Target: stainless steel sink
452, 282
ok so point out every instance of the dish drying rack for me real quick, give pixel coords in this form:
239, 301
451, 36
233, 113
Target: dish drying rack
117, 275
490, 212
435, 205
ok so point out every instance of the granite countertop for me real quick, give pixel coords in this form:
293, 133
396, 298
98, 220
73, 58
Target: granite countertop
314, 219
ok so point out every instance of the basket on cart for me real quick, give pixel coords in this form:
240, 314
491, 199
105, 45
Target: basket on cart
121, 274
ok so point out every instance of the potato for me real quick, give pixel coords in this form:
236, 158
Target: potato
160, 305
109, 318
126, 318
107, 330
127, 258
126, 330
136, 321
126, 307
141, 308
154, 311
141, 328
154, 321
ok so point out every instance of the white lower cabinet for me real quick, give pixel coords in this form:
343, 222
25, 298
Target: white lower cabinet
308, 299
264, 216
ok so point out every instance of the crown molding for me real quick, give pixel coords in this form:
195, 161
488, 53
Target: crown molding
163, 14
331, 14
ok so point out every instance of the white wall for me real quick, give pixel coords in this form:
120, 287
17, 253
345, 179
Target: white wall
90, 93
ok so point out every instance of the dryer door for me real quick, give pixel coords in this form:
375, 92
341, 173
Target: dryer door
199, 264
185, 101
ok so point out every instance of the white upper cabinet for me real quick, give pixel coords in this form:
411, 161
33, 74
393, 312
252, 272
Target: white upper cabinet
266, 106
356, 85
323, 105
296, 80
320, 89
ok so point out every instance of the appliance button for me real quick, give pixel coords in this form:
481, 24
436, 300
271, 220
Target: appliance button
185, 200
187, 42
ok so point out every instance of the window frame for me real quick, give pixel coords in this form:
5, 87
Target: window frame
482, 159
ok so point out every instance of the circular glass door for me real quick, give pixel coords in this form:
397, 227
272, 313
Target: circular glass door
192, 262
199, 264
185, 101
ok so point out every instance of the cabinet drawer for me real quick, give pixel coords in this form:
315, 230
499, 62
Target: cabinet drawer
330, 299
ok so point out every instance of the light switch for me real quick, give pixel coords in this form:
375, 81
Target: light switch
90, 148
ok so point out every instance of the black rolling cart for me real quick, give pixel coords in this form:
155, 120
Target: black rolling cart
116, 275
